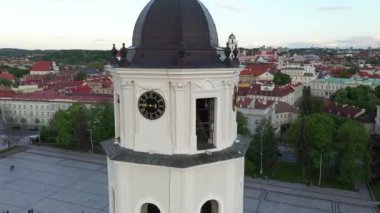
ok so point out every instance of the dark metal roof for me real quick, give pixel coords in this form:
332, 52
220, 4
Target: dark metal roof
117, 153
175, 33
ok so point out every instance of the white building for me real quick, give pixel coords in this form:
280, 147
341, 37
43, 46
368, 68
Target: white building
377, 120
284, 114
39, 108
175, 148
256, 110
44, 68
326, 87
303, 74
290, 94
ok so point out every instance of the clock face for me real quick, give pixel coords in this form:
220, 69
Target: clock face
151, 105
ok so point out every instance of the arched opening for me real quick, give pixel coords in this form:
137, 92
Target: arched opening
210, 206
150, 208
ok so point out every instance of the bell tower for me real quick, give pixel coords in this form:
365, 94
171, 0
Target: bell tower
175, 148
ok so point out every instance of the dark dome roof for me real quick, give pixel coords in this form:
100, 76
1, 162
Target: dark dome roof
173, 33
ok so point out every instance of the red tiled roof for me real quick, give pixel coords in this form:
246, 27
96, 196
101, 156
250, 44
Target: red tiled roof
255, 89
7, 93
343, 110
51, 95
42, 66
282, 107
8, 76
258, 104
257, 69
81, 90
252, 72
364, 74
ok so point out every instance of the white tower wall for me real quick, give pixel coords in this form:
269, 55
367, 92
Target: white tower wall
176, 190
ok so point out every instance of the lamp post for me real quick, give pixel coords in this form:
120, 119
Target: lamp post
92, 144
261, 152
320, 169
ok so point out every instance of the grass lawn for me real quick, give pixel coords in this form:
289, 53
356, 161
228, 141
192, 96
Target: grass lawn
290, 172
376, 189
7, 150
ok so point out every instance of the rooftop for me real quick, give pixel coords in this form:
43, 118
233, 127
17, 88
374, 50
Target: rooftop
117, 153
42, 66
175, 33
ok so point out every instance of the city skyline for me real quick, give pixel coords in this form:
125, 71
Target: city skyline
97, 24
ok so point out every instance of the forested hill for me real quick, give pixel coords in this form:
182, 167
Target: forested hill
75, 57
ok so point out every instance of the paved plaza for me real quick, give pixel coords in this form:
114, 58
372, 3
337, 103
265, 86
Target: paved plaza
57, 181
53, 181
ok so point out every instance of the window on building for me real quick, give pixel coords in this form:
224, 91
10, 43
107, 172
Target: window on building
150, 208
205, 117
210, 206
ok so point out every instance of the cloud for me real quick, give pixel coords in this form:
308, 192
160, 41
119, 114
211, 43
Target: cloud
229, 7
356, 42
99, 40
84, 1
333, 8
360, 41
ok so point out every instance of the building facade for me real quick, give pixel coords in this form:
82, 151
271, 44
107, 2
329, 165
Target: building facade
39, 108
256, 110
175, 146
303, 74
326, 87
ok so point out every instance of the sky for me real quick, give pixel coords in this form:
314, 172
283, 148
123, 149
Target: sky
97, 24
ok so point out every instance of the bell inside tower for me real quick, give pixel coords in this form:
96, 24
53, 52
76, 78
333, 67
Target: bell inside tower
205, 117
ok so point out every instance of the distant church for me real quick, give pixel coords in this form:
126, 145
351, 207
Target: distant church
176, 148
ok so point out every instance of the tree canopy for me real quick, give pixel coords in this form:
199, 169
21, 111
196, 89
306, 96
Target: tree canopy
319, 136
78, 57
80, 76
341, 142
281, 79
5, 83
18, 73
74, 125
242, 124
264, 137
362, 96
354, 156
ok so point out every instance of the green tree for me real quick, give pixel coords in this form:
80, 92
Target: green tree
361, 96
377, 91
320, 130
101, 121
281, 79
61, 127
354, 155
312, 138
317, 104
99, 65
5, 83
306, 103
18, 73
242, 124
264, 139
72, 126
80, 131
80, 76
